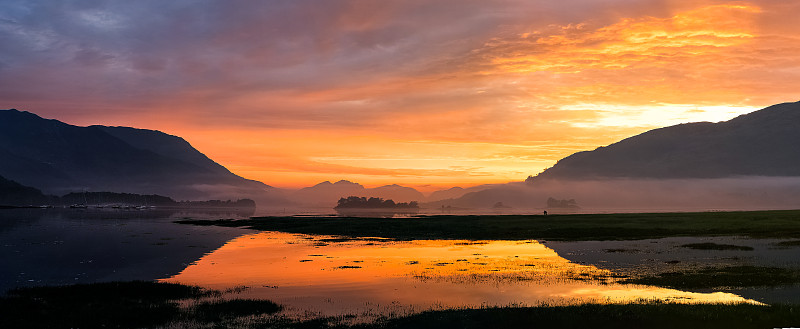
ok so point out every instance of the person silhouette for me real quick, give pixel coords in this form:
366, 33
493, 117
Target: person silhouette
545, 212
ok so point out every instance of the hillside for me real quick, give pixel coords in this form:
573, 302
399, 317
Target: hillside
762, 143
750, 162
15, 194
59, 158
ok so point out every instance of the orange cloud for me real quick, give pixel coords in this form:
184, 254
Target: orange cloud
686, 39
415, 92
506, 110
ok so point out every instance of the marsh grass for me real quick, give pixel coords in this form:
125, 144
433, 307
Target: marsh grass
134, 304
715, 246
154, 305
213, 311
787, 244
639, 315
622, 250
581, 227
721, 277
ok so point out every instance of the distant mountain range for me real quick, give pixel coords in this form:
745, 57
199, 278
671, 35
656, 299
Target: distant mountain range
753, 158
15, 195
58, 158
43, 157
761, 143
327, 193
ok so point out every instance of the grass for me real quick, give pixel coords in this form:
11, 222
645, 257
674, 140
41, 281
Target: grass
757, 224
219, 310
647, 315
134, 304
787, 244
147, 304
722, 277
715, 246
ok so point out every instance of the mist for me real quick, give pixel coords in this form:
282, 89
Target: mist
634, 195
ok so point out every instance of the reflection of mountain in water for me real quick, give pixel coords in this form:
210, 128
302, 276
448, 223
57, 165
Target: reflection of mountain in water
63, 246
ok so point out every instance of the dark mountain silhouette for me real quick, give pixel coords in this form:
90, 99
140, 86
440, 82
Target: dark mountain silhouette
510, 194
165, 145
456, 192
451, 193
59, 158
762, 143
16, 194
326, 194
747, 163
13, 195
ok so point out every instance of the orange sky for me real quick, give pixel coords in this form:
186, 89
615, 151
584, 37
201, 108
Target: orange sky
420, 94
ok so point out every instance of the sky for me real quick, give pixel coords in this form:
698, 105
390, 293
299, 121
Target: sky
427, 94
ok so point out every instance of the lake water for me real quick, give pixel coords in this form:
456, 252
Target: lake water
328, 276
64, 246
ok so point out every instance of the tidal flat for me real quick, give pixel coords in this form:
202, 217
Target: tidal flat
727, 268
784, 224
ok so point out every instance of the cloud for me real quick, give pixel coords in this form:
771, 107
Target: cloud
648, 41
513, 76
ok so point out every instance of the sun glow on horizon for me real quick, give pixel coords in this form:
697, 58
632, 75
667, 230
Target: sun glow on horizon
383, 94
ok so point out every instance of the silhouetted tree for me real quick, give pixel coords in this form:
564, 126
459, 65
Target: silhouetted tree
372, 203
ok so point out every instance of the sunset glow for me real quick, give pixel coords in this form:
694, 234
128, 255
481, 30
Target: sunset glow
347, 277
423, 94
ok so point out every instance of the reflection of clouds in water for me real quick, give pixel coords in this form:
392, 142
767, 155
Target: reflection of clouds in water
353, 276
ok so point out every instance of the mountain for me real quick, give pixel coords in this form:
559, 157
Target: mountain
750, 162
762, 143
451, 193
165, 145
397, 193
59, 158
16, 194
455, 192
515, 194
326, 194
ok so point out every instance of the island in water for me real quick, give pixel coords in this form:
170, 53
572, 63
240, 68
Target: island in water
373, 203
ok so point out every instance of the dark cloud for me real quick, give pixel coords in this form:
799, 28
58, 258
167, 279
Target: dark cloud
417, 70
240, 47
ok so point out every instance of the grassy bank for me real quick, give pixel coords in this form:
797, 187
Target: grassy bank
146, 304
648, 315
135, 304
759, 224
722, 277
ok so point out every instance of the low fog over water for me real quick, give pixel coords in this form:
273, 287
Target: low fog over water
629, 195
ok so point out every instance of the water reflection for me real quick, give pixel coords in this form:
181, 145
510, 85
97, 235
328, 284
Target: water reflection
65, 246
331, 276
